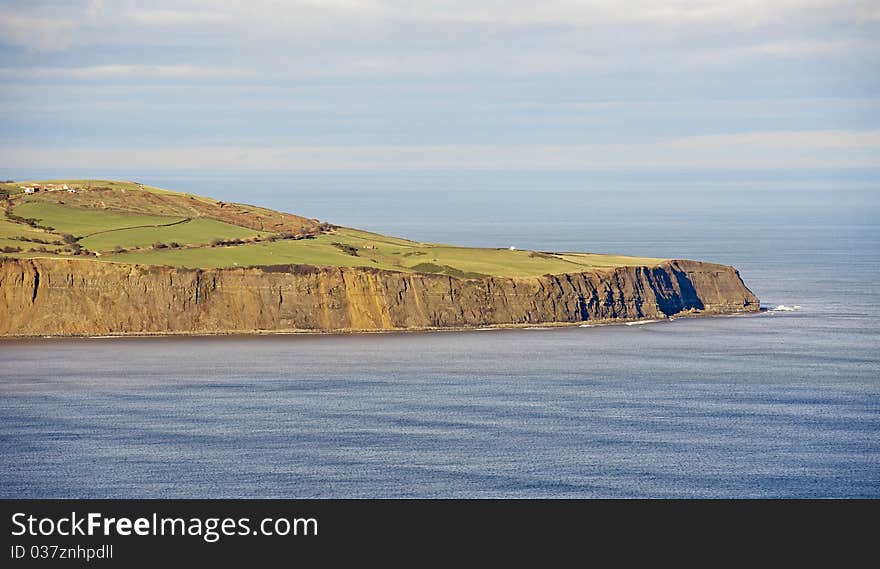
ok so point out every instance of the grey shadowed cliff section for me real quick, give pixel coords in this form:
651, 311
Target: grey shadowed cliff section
81, 297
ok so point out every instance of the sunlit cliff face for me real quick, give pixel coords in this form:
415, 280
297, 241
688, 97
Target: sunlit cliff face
62, 297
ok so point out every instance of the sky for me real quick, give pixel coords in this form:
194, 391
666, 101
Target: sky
426, 85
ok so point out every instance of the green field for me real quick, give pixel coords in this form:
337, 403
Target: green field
316, 251
10, 229
209, 235
81, 222
193, 231
25, 237
386, 253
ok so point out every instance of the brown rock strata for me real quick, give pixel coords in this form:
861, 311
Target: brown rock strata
82, 297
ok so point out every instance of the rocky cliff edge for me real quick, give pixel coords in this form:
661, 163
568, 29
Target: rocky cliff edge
81, 297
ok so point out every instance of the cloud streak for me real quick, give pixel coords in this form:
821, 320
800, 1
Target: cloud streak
419, 84
814, 149
123, 72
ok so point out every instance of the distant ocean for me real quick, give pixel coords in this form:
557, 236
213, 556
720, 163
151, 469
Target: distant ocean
781, 404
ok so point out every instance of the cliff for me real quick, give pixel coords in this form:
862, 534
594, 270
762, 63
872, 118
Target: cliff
83, 297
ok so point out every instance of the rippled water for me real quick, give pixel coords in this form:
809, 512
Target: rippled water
786, 403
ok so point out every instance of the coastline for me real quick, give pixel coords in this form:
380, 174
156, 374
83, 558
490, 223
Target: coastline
43, 298
413, 330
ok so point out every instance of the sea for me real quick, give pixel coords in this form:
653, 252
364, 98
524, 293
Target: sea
782, 404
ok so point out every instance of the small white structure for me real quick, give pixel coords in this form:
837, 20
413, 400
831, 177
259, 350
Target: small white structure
28, 190
512, 248
64, 187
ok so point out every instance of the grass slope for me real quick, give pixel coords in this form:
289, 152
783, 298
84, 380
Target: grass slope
349, 248
192, 231
132, 198
107, 215
82, 222
16, 235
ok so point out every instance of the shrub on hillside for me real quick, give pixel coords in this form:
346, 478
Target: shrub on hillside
347, 249
226, 242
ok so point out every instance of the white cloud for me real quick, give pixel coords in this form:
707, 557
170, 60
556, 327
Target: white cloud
319, 39
814, 149
36, 32
244, 22
121, 71
393, 71
177, 18
785, 140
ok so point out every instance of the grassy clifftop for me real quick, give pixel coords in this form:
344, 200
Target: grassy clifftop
132, 223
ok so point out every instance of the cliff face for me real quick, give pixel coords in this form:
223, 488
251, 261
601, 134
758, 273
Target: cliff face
71, 297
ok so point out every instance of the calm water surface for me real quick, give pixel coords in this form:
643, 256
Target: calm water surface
786, 403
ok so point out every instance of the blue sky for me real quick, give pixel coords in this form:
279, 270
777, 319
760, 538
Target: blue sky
390, 85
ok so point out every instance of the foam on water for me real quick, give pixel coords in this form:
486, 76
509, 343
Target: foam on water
782, 308
640, 322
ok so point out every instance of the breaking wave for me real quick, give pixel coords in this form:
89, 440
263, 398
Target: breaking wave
640, 322
782, 308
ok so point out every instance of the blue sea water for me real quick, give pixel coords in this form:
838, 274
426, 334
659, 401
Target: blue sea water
781, 404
